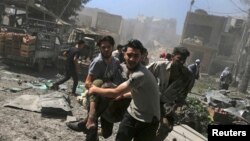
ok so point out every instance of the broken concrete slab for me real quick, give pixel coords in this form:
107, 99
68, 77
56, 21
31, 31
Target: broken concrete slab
26, 102
55, 103
217, 98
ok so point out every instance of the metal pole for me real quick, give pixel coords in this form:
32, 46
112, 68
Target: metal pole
64, 10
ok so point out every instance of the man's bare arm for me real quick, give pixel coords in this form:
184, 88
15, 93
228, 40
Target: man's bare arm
126, 95
88, 81
110, 92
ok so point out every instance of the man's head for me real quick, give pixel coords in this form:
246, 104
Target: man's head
197, 61
106, 45
119, 48
80, 44
132, 54
179, 56
169, 56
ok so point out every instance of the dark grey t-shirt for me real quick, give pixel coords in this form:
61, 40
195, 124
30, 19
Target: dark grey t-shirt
145, 102
107, 72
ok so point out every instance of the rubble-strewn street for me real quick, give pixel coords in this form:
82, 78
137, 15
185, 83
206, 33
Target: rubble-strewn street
21, 125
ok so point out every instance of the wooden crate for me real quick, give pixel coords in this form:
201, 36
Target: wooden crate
2, 36
1, 44
27, 48
9, 36
15, 51
7, 50
1, 48
12, 44
8, 44
1, 51
26, 53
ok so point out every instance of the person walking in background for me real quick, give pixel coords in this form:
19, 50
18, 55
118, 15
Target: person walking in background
118, 53
72, 67
144, 57
174, 81
225, 78
142, 118
195, 70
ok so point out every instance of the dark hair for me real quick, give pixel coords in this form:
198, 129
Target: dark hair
183, 51
168, 56
136, 44
108, 39
119, 46
144, 51
80, 42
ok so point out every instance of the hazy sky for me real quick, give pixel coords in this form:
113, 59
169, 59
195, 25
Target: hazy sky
168, 8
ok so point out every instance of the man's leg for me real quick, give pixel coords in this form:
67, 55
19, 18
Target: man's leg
107, 128
66, 78
97, 105
127, 129
75, 81
165, 127
146, 131
91, 116
92, 135
226, 86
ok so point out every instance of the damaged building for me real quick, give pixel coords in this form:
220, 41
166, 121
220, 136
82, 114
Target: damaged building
212, 39
101, 22
149, 29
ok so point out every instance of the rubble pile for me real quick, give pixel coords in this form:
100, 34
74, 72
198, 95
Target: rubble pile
227, 110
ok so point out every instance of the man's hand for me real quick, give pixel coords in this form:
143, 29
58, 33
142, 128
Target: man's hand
65, 53
119, 98
92, 90
126, 95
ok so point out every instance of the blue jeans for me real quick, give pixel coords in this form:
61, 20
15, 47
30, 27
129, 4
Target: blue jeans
131, 128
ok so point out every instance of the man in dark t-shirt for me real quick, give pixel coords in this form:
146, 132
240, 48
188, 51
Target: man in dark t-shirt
72, 66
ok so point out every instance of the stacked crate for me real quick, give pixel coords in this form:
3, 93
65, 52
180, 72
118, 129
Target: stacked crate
28, 46
8, 43
16, 44
2, 43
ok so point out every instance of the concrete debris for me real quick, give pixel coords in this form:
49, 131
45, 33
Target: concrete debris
217, 98
228, 110
55, 103
25, 102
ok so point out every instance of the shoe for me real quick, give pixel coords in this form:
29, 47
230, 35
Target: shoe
78, 126
74, 94
91, 135
54, 87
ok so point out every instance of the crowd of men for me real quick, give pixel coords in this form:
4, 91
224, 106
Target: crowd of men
123, 87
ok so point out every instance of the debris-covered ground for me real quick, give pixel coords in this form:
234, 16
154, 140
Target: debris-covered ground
223, 106
23, 125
